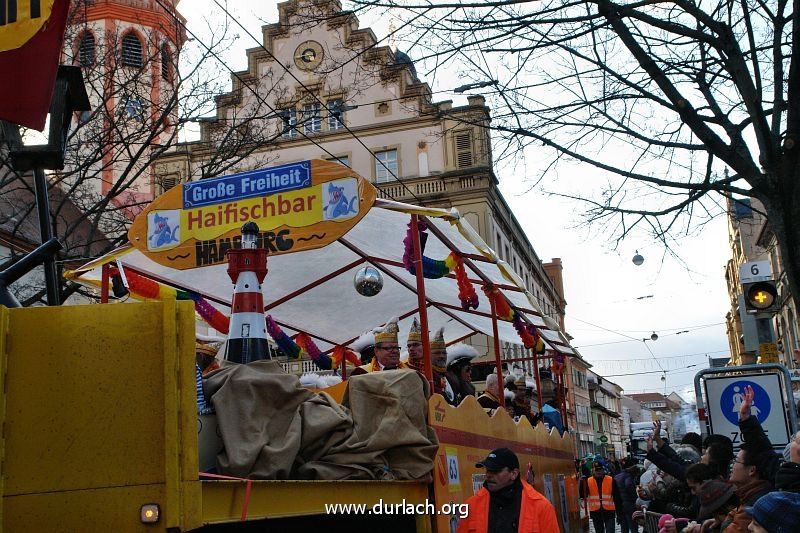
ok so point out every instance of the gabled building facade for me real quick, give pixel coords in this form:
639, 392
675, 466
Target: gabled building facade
661, 407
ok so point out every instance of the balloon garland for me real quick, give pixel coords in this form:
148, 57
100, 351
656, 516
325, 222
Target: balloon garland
304, 345
341, 353
435, 268
286, 344
147, 288
558, 362
528, 333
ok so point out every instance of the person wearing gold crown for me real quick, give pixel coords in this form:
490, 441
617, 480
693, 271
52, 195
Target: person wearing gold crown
522, 401
439, 366
206, 355
416, 358
387, 350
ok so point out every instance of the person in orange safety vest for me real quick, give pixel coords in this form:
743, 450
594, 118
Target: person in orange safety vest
506, 503
602, 498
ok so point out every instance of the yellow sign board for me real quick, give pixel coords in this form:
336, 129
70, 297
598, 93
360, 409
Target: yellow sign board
21, 20
768, 352
299, 206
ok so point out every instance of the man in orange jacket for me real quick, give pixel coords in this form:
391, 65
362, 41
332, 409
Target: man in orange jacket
603, 499
506, 504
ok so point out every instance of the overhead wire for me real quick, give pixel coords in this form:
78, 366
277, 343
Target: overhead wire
647, 358
651, 372
605, 329
698, 326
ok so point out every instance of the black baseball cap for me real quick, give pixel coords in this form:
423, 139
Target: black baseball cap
499, 459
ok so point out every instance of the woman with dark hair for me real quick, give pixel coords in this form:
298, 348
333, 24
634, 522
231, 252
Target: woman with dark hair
718, 455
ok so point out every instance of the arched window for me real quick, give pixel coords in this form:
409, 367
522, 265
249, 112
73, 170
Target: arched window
86, 50
166, 62
131, 51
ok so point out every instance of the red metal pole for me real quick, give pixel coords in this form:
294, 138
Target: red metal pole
421, 300
104, 284
536, 377
563, 395
344, 366
497, 362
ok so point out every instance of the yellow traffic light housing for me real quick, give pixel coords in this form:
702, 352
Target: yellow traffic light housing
760, 297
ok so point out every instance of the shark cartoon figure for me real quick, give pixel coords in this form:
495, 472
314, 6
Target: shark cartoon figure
162, 234
339, 203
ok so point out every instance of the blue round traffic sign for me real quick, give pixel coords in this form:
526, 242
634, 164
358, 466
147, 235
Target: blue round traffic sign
733, 395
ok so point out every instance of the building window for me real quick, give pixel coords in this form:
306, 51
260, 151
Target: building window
166, 63
463, 140
131, 51
385, 166
169, 181
312, 120
578, 378
582, 413
288, 123
335, 115
342, 159
86, 50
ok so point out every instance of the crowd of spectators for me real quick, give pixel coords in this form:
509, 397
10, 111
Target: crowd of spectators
700, 485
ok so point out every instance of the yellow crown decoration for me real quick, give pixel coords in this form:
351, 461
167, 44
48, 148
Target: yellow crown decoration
415, 333
387, 333
437, 343
207, 348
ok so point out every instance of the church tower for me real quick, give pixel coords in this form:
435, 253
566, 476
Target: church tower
128, 52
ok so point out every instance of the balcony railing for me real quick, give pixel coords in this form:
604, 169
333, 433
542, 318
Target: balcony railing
431, 185
304, 366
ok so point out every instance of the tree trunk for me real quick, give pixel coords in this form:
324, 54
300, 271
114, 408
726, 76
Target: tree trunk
782, 204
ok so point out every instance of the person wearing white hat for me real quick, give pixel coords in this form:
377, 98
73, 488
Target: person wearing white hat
459, 367
365, 347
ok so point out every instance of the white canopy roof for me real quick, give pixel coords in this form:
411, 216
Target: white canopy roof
312, 291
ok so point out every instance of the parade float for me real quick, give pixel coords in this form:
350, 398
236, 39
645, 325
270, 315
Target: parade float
99, 405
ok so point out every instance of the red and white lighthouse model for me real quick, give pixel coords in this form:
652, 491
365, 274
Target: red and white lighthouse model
247, 267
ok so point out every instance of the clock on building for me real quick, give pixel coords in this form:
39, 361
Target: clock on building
132, 107
308, 55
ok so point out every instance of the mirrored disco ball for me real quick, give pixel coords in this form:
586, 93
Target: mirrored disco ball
368, 281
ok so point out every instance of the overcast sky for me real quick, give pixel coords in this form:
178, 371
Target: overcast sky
611, 303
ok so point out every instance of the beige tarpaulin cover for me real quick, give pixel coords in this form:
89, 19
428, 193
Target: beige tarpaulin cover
272, 428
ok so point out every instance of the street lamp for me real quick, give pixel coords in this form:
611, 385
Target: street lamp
476, 85
654, 336
637, 259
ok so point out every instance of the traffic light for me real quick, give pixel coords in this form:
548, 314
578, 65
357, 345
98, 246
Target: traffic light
760, 297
